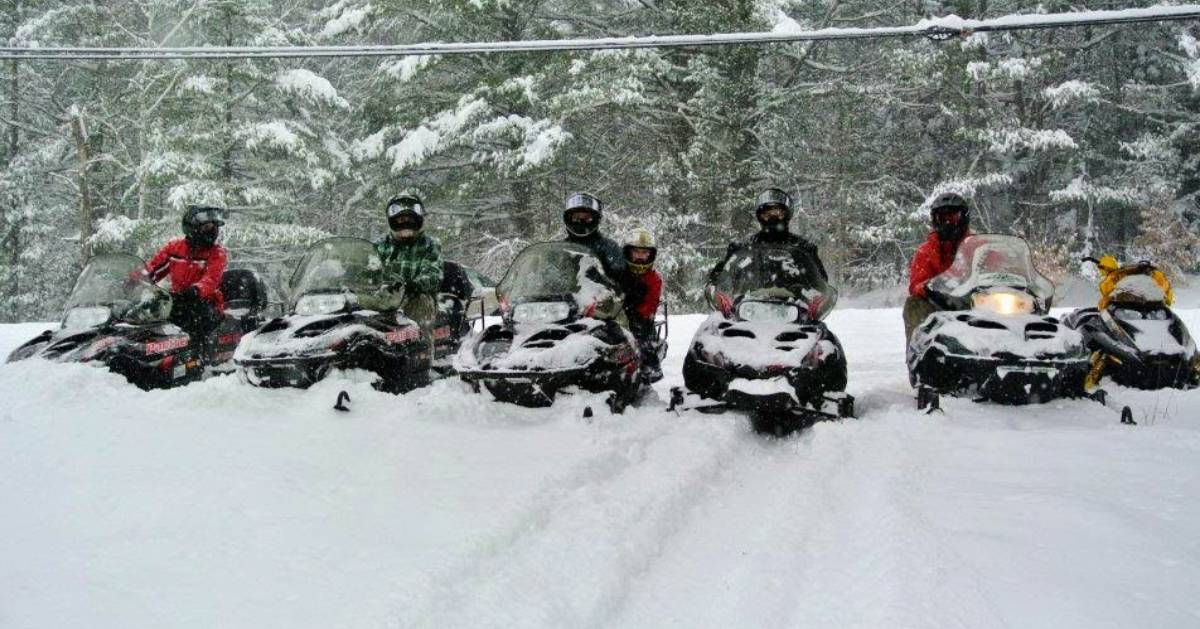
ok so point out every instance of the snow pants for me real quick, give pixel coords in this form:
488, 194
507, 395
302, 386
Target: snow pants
423, 310
198, 317
916, 310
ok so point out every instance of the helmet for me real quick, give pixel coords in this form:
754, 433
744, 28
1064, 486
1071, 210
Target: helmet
201, 224
406, 212
640, 239
582, 201
773, 198
942, 214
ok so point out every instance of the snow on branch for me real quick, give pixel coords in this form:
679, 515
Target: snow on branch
935, 28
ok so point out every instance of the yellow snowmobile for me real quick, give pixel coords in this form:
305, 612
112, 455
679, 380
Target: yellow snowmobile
1134, 336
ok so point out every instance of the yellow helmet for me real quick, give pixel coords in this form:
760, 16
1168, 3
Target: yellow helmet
640, 238
1108, 264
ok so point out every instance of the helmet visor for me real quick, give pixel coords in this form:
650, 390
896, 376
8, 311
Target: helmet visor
209, 215
774, 196
948, 216
400, 206
583, 200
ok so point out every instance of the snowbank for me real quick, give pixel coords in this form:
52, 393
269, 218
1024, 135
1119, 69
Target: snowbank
221, 505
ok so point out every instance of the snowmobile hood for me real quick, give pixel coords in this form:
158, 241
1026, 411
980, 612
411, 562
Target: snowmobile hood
534, 348
985, 334
760, 346
307, 336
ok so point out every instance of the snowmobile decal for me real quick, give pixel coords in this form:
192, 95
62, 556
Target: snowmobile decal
166, 345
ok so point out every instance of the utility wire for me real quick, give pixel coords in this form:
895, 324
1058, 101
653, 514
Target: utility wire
937, 29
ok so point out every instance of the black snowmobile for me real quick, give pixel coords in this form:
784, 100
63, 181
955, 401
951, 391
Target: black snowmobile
342, 317
765, 348
1134, 336
993, 337
559, 329
124, 324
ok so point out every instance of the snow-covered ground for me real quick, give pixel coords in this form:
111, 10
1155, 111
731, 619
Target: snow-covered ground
221, 505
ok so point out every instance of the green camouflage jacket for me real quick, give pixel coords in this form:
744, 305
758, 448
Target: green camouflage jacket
417, 264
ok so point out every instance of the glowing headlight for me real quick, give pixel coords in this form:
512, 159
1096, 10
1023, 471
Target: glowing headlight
768, 312
1005, 303
88, 317
320, 304
541, 312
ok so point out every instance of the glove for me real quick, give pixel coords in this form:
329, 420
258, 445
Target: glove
189, 293
135, 277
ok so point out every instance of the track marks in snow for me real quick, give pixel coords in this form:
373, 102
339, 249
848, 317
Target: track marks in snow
813, 531
567, 560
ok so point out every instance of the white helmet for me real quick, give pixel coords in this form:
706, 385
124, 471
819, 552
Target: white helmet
640, 238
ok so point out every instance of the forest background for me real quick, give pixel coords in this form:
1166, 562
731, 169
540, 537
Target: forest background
1082, 140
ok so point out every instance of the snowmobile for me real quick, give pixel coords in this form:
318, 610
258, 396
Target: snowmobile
992, 336
765, 348
559, 329
1133, 335
115, 320
341, 316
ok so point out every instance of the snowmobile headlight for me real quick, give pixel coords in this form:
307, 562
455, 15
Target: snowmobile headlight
1004, 302
320, 304
86, 317
768, 312
541, 312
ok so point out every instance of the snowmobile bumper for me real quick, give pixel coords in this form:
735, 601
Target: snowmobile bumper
274, 373
1156, 371
529, 388
1007, 380
806, 383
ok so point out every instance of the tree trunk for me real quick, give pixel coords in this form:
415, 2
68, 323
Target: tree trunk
79, 131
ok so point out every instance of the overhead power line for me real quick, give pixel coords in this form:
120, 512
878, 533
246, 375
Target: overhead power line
937, 28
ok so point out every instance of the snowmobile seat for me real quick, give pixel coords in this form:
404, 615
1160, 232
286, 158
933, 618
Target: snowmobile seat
245, 293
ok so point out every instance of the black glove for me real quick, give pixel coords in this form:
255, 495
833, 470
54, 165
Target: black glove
189, 293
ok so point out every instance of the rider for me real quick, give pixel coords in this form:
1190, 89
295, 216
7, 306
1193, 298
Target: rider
644, 286
195, 264
773, 211
950, 217
582, 218
412, 262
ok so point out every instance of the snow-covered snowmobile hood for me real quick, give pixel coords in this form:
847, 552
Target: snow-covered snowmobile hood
310, 336
534, 348
760, 346
985, 334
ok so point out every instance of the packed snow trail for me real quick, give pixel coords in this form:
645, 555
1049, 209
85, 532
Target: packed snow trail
223, 505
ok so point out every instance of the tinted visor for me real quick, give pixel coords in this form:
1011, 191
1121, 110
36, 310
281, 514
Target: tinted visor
583, 200
774, 197
948, 216
209, 215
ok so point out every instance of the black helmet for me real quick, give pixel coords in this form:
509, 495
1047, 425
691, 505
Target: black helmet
406, 211
582, 201
201, 224
941, 211
773, 198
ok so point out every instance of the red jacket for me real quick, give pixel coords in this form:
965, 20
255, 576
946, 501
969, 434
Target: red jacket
200, 267
932, 258
644, 294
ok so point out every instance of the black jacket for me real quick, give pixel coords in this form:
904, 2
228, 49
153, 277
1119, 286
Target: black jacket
608, 252
799, 246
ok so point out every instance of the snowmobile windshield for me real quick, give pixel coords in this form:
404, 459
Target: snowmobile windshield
111, 287
339, 268
773, 273
993, 263
556, 273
